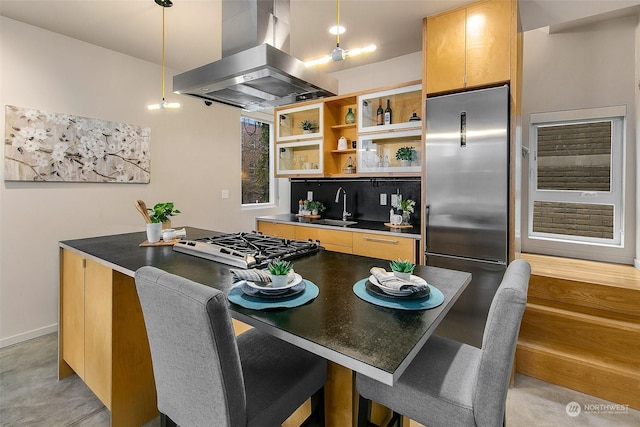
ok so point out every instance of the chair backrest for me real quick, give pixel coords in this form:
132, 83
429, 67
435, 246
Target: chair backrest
499, 344
193, 350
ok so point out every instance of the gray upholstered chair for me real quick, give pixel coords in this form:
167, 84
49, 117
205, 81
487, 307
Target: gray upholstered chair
454, 384
205, 375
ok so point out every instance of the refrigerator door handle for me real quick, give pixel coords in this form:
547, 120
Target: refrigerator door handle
462, 258
463, 129
427, 209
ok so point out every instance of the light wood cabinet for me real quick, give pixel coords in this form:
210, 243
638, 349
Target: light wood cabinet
404, 102
300, 155
299, 152
276, 229
103, 338
289, 122
98, 321
72, 311
335, 127
331, 240
468, 47
384, 246
377, 153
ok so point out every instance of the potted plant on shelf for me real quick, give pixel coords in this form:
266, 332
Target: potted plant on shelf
402, 268
405, 155
279, 271
308, 126
315, 207
162, 213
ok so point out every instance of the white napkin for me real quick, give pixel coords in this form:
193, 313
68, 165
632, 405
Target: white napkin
389, 280
252, 275
255, 275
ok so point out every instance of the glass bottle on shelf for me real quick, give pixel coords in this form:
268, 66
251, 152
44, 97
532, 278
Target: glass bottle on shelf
350, 118
387, 114
380, 114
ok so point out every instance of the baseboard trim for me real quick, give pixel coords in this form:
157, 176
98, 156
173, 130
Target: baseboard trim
15, 339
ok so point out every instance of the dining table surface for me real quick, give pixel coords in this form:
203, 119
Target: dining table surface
376, 341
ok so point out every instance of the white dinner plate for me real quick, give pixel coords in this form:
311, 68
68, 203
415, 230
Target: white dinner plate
415, 280
268, 289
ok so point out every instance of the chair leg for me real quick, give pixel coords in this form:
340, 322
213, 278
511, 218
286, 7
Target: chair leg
316, 418
396, 420
364, 415
165, 421
364, 412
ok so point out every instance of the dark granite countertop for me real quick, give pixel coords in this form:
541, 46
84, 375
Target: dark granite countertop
376, 341
361, 226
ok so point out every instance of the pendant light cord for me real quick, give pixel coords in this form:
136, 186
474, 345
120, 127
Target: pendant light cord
163, 53
337, 22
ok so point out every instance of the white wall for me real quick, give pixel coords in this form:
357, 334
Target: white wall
195, 153
402, 69
584, 67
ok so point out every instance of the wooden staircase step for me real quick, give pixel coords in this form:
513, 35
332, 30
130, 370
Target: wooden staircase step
614, 341
607, 381
597, 285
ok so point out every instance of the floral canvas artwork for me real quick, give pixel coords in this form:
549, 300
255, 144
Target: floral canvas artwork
43, 146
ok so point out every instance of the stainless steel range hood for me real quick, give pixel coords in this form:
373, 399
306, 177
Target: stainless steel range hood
253, 74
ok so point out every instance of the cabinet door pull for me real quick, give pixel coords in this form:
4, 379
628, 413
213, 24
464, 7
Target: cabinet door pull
373, 239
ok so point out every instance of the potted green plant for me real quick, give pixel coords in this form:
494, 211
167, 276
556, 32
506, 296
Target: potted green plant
405, 155
315, 207
402, 268
406, 207
279, 271
308, 126
162, 213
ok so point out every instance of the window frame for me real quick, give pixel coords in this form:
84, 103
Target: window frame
273, 190
615, 196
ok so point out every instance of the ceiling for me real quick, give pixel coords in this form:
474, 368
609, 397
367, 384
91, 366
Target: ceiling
192, 27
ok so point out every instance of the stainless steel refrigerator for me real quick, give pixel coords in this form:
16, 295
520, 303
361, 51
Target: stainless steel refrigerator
466, 196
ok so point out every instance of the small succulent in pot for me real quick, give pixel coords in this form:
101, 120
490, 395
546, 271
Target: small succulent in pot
402, 268
307, 125
279, 270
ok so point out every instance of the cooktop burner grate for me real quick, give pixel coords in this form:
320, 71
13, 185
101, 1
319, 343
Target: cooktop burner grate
246, 250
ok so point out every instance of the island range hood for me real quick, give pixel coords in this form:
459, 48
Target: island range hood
255, 72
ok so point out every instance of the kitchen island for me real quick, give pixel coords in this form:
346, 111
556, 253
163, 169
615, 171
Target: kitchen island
102, 329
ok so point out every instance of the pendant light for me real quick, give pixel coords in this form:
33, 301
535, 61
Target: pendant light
164, 104
338, 54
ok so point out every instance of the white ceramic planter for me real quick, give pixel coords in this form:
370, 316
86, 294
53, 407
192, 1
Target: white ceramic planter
279, 281
402, 276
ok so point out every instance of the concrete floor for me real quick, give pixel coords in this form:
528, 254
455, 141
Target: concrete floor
30, 394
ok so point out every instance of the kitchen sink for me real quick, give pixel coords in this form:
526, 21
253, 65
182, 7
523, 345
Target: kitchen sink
336, 222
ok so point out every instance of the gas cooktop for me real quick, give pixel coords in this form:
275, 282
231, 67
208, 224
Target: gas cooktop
246, 250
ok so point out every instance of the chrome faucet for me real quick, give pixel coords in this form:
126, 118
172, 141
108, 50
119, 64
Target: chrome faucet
345, 214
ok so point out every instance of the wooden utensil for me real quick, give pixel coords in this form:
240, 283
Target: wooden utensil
142, 208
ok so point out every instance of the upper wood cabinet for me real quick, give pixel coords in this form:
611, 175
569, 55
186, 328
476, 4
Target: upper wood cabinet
318, 154
299, 152
336, 159
468, 47
289, 122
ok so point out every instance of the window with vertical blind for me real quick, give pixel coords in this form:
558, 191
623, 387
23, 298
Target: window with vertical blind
576, 176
